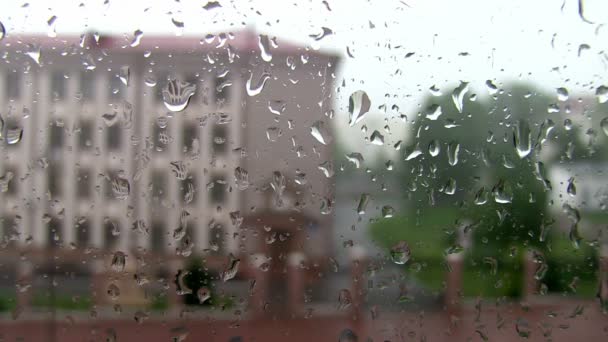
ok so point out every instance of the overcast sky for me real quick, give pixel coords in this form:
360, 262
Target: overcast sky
535, 40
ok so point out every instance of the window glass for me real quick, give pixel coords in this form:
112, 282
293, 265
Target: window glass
13, 85
327, 170
58, 85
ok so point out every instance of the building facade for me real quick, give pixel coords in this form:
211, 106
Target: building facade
161, 148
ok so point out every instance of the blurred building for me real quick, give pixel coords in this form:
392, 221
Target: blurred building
97, 159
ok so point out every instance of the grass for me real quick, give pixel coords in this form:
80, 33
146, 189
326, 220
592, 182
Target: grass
62, 302
571, 271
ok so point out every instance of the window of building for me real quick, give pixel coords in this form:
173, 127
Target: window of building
58, 85
157, 237
56, 136
87, 85
83, 232
85, 136
218, 190
12, 85
188, 190
10, 230
159, 184
54, 233
111, 231
190, 133
222, 90
117, 89
108, 191
55, 178
217, 237
161, 138
113, 137
84, 184
161, 82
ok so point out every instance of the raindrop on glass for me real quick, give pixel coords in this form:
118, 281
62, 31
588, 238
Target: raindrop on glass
400, 253
320, 132
14, 135
433, 112
358, 106
254, 89
176, 94
453, 150
458, 95
264, 45
376, 138
522, 138
119, 260
602, 93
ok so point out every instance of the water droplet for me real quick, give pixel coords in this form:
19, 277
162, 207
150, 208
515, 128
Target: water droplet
434, 148
571, 189
602, 93
179, 169
327, 206
324, 33
150, 81
179, 26
562, 94
604, 125
241, 178
110, 118
51, 23
347, 335
264, 45
522, 138
453, 150
358, 105
523, 328
137, 35
33, 51
2, 31
278, 184
458, 95
327, 168
125, 75
481, 197
363, 201
273, 133
14, 135
502, 192
182, 287
5, 180
492, 88
203, 294
320, 132
231, 268
140, 316
345, 299
433, 112
355, 158
435, 91
388, 211
255, 89
450, 187
121, 187
400, 253
176, 94
376, 138
414, 152
119, 259
113, 291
